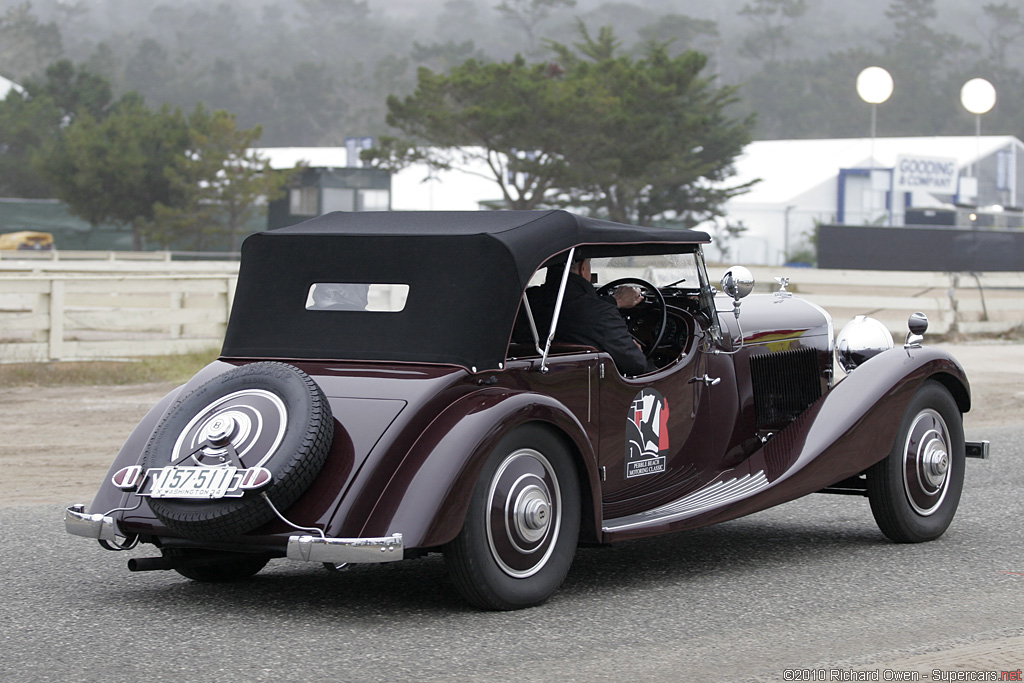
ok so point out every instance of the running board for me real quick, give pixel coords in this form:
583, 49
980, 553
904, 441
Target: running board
710, 497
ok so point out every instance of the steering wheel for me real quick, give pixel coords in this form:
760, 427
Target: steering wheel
653, 301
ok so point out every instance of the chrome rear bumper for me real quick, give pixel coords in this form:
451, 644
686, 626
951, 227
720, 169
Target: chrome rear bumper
304, 548
346, 550
80, 523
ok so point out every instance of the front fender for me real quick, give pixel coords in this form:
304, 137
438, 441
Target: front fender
427, 498
850, 428
855, 424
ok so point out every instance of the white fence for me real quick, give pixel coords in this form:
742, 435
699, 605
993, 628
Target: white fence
59, 316
57, 255
955, 303
55, 314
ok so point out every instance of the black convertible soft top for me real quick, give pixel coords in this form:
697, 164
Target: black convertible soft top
466, 272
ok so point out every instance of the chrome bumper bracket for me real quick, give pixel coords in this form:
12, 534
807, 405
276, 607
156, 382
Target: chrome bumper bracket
80, 523
345, 550
977, 449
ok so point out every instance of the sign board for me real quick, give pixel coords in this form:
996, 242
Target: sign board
929, 174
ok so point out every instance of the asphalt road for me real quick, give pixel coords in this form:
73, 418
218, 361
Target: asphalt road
812, 584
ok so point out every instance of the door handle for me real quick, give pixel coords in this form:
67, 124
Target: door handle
708, 381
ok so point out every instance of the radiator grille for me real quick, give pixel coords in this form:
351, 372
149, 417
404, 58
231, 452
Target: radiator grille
785, 384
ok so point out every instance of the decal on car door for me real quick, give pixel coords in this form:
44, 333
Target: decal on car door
646, 434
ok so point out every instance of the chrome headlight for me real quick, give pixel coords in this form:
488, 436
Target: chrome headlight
861, 339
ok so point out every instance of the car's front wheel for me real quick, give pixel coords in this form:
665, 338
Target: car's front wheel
522, 526
915, 490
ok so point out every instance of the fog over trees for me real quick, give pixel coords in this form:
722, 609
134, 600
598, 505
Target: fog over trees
312, 72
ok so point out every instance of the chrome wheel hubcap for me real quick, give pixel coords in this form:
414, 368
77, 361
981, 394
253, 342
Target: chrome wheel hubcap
523, 513
251, 421
221, 429
936, 462
927, 465
532, 513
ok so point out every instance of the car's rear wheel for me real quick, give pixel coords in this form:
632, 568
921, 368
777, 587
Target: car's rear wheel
245, 566
915, 490
520, 533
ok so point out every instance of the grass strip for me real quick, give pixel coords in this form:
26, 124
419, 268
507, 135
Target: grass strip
177, 368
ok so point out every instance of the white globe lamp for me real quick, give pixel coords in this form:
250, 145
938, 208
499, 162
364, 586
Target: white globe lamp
978, 97
874, 85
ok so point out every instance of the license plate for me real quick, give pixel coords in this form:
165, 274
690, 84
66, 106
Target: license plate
191, 482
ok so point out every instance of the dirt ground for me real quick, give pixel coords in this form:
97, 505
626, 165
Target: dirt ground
56, 444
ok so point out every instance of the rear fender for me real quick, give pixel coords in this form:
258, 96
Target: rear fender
427, 498
109, 496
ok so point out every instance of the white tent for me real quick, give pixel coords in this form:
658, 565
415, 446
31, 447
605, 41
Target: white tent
804, 182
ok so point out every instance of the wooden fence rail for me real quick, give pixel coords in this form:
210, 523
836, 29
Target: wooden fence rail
100, 255
57, 317
955, 303
72, 315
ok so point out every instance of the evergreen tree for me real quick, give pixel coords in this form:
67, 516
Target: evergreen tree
630, 139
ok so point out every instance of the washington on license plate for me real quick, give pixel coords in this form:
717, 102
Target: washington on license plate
191, 482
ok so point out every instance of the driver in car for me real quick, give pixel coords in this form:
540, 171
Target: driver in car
587, 318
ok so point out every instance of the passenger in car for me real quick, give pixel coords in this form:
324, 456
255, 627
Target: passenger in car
588, 319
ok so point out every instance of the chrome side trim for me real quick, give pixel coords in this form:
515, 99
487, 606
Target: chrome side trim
80, 523
977, 449
346, 550
711, 496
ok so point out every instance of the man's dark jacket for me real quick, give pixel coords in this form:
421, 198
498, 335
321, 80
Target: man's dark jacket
587, 319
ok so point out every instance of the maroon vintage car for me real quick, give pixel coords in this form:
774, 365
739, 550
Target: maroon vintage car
385, 390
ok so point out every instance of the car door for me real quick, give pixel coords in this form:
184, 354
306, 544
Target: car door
659, 439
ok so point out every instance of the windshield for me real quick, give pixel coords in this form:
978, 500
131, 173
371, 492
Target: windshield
676, 270
681, 271
686, 273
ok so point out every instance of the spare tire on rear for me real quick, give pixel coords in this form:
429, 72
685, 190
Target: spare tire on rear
278, 418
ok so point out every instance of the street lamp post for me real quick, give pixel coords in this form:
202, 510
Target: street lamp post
978, 97
874, 85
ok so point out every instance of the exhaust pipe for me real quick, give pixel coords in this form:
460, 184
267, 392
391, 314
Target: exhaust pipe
151, 564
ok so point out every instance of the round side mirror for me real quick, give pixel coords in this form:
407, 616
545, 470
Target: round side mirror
918, 323
738, 282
